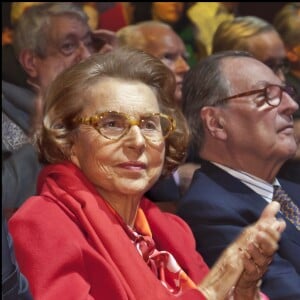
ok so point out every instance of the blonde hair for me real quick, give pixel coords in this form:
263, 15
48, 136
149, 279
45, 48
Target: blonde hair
233, 34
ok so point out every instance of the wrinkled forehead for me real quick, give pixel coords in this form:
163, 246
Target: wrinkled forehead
122, 95
245, 73
64, 24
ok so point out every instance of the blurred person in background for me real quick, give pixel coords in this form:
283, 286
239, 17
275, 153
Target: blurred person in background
287, 23
48, 38
175, 15
255, 35
161, 41
207, 16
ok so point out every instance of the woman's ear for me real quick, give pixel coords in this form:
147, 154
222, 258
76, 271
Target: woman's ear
213, 122
28, 61
73, 153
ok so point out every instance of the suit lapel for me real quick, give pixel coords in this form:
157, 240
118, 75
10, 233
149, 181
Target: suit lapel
248, 197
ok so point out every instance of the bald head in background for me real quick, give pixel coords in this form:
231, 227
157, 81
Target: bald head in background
161, 41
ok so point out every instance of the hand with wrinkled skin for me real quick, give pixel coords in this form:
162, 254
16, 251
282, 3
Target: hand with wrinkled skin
238, 265
258, 245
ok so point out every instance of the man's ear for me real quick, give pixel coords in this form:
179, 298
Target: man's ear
28, 61
213, 122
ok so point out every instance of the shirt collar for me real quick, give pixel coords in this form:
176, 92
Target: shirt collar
258, 185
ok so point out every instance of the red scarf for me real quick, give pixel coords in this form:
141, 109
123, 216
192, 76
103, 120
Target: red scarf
69, 198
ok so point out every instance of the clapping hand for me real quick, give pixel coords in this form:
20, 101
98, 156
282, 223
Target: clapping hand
242, 264
258, 244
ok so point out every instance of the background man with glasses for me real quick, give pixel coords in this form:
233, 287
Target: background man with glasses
241, 118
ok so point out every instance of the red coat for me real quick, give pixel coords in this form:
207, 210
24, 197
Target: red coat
69, 245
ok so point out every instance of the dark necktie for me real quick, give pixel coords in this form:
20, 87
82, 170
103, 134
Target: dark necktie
290, 210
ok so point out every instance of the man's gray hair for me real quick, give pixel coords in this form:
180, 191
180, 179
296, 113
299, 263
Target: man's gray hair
33, 26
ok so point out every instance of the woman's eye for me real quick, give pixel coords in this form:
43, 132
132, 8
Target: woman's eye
150, 125
109, 124
112, 124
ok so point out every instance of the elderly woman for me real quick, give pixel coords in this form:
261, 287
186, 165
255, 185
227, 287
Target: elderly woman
109, 132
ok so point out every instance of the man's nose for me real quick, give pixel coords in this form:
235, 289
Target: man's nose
289, 103
85, 52
181, 66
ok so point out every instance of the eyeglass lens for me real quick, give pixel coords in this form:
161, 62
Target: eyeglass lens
114, 125
274, 93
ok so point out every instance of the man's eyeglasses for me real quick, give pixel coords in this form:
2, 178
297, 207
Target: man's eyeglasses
114, 125
272, 94
282, 65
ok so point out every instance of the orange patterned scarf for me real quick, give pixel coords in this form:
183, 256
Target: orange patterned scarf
162, 263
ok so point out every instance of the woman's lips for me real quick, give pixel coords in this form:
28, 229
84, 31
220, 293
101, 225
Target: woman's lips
134, 166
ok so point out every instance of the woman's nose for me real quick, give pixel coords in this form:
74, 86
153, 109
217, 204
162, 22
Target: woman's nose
134, 137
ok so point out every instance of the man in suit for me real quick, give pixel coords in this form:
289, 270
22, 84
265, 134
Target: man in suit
240, 114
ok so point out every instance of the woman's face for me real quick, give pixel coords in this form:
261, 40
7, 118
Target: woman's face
169, 12
130, 165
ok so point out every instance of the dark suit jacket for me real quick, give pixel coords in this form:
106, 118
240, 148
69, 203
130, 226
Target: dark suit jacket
164, 190
218, 206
